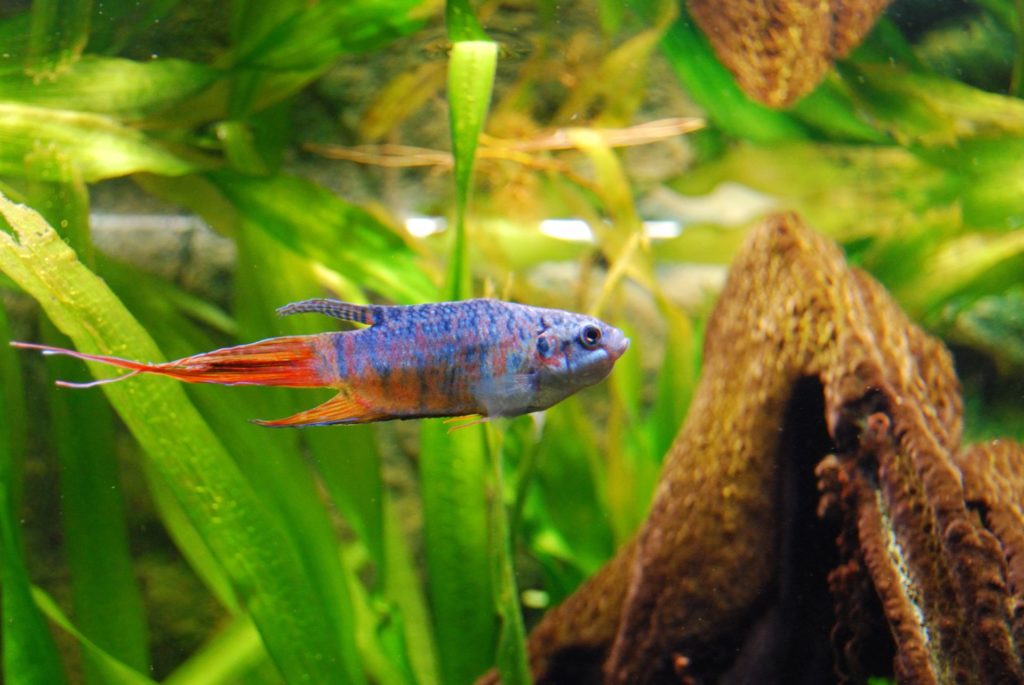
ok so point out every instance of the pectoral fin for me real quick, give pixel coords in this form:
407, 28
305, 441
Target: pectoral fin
458, 422
342, 408
508, 395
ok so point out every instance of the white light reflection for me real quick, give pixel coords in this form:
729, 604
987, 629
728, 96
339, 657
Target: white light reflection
422, 226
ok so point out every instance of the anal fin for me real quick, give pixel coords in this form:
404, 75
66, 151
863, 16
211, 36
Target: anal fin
342, 408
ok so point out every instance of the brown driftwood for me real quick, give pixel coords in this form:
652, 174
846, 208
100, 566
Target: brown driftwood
816, 519
779, 50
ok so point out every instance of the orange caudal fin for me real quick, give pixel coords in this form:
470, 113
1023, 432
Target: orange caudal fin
287, 361
342, 408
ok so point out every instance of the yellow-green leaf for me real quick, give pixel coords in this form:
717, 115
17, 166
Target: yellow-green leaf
254, 547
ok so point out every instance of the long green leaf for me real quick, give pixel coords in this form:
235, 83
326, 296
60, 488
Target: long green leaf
471, 69
107, 85
15, 36
252, 544
993, 323
347, 457
13, 418
182, 529
830, 110
568, 485
969, 267
928, 109
106, 599
310, 37
350, 466
225, 659
160, 314
99, 146
272, 461
511, 657
29, 655
403, 589
252, 21
461, 23
471, 65
279, 47
453, 475
311, 221
847, 191
454, 467
58, 34
109, 669
117, 24
990, 180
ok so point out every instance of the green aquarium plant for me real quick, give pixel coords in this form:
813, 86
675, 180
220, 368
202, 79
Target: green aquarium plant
300, 133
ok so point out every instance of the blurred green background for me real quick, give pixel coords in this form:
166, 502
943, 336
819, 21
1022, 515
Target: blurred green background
210, 162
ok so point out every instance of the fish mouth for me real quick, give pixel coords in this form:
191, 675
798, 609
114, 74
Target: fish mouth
616, 351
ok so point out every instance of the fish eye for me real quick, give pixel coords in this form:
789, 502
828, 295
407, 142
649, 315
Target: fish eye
590, 336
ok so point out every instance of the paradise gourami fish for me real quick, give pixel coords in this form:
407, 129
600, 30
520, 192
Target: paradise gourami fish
447, 359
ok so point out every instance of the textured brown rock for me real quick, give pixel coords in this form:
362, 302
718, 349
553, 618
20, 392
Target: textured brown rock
779, 50
745, 570
993, 475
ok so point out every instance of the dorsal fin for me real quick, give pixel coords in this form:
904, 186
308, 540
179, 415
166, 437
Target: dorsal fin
345, 311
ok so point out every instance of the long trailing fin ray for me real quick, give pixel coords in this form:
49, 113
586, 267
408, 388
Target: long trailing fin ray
337, 309
133, 366
342, 408
291, 361
97, 382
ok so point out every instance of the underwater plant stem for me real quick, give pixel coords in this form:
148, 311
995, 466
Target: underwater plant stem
1017, 73
513, 665
235, 651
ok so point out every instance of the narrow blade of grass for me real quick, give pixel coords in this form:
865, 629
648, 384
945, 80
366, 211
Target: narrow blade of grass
511, 658
464, 557
106, 599
101, 147
570, 482
225, 659
29, 654
109, 669
993, 323
279, 47
250, 542
119, 23
404, 589
310, 37
107, 85
278, 468
471, 69
59, 31
453, 474
160, 311
310, 221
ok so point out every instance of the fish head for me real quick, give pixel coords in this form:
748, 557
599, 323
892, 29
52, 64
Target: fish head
552, 355
573, 351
